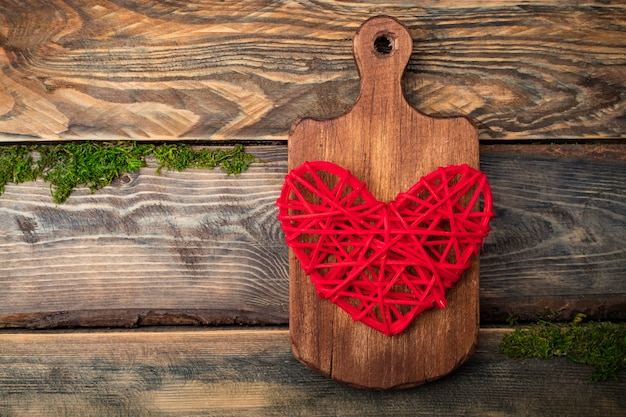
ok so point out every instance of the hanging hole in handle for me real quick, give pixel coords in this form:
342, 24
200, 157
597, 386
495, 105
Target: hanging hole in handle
383, 44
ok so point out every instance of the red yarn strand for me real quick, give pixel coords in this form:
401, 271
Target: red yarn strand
384, 264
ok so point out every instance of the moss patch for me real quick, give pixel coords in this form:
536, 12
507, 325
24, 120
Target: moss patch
181, 156
599, 344
94, 165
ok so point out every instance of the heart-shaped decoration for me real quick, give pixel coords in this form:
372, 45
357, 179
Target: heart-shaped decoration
384, 263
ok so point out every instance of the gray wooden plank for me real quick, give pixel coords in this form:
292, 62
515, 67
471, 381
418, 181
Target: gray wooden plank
199, 247
247, 70
558, 242
198, 242
252, 372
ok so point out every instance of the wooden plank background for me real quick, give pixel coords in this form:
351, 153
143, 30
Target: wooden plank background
253, 373
247, 70
200, 247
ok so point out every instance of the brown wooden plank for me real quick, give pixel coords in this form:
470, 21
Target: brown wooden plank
243, 372
558, 242
247, 70
200, 247
388, 145
196, 246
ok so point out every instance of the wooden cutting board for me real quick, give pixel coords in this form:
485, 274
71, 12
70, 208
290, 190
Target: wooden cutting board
389, 145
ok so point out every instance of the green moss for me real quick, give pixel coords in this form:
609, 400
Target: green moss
16, 165
599, 344
90, 164
179, 157
94, 165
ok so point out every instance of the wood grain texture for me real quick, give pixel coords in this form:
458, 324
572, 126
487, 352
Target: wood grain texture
253, 373
558, 241
389, 145
247, 70
199, 247
199, 242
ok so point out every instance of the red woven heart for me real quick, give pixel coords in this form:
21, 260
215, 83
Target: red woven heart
384, 263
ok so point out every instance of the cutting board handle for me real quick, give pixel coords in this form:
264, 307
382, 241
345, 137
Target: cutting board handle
382, 48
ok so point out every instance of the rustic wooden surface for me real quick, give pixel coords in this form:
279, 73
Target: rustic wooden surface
253, 373
193, 246
388, 145
560, 228
247, 70
200, 247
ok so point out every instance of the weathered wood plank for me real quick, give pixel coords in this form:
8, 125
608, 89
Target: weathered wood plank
558, 241
199, 242
201, 247
247, 70
244, 372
